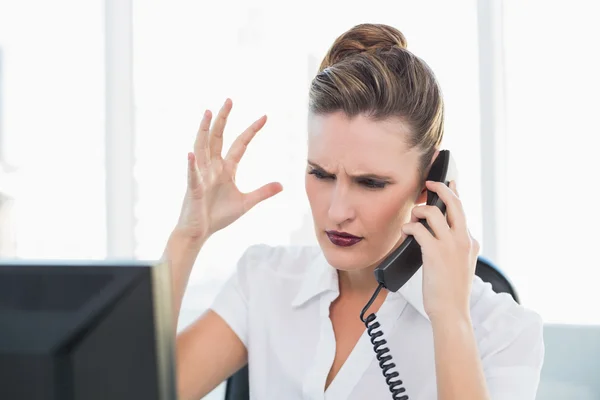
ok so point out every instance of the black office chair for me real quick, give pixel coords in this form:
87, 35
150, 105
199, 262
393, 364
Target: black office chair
238, 386
489, 272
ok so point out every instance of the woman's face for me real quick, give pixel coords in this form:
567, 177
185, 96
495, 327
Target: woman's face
362, 180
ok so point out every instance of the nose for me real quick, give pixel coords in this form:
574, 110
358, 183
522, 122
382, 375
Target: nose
340, 207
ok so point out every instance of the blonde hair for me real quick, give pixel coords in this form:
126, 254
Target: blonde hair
368, 70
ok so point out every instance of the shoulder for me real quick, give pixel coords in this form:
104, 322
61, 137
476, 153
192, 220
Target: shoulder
493, 312
277, 260
508, 334
265, 271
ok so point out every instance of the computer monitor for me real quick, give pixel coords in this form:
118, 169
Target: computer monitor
95, 330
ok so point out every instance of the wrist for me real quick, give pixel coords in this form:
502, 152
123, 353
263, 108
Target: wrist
187, 238
181, 244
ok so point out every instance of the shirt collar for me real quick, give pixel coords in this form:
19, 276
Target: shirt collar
321, 277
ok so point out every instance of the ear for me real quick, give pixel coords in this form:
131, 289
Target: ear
422, 197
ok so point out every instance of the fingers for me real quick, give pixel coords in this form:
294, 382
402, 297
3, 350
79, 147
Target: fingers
454, 209
435, 219
216, 134
239, 146
253, 198
420, 233
201, 149
454, 189
193, 175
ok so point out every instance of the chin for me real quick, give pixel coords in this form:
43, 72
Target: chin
345, 258
355, 257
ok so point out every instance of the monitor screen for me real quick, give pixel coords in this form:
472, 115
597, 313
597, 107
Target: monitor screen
74, 330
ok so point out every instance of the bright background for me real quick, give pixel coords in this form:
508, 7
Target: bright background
65, 182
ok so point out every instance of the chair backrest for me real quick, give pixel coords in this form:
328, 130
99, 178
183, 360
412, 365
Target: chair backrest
489, 272
238, 386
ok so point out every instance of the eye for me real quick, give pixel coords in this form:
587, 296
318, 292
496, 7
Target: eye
320, 174
372, 183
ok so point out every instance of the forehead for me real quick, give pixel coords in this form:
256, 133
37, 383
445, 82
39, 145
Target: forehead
360, 143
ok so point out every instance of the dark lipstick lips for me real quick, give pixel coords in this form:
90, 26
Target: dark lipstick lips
342, 234
342, 239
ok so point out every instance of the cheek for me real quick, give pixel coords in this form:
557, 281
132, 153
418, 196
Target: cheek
387, 218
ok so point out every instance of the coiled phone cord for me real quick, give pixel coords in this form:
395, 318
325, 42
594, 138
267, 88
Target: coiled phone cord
385, 361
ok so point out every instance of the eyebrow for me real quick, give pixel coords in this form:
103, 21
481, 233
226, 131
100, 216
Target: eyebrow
362, 176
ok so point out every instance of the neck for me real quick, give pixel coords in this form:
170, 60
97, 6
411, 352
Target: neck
357, 284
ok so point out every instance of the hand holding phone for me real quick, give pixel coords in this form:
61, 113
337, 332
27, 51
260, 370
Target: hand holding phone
400, 265
440, 240
449, 255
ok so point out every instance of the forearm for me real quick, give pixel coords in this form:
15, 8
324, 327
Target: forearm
180, 253
458, 366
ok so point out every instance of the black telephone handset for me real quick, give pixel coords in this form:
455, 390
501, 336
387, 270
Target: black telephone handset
397, 268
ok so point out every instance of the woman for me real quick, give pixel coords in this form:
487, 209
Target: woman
375, 126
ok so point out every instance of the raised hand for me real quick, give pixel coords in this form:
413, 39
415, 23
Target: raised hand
212, 200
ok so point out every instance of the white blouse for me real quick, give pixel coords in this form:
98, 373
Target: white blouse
277, 302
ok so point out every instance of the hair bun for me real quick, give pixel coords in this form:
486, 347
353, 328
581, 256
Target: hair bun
363, 38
